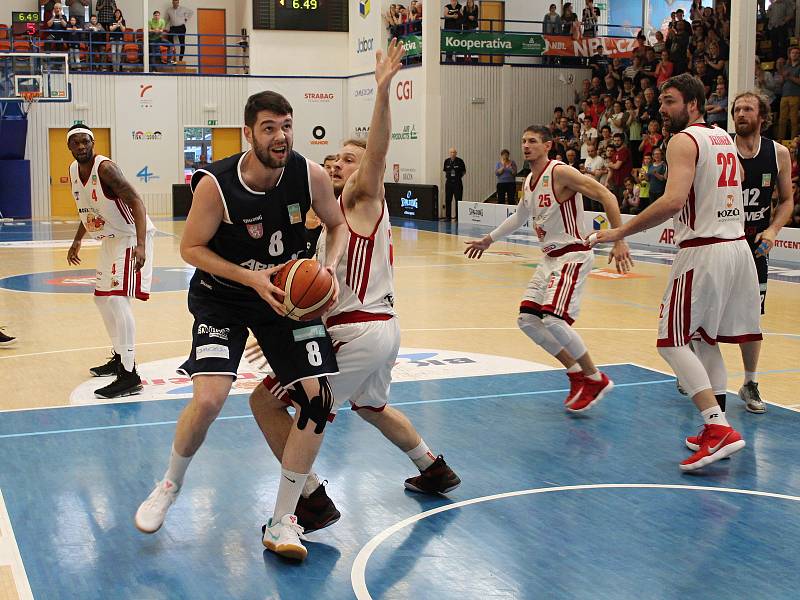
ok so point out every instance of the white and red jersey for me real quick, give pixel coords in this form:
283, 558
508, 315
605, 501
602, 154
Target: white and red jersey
102, 213
365, 275
556, 221
714, 210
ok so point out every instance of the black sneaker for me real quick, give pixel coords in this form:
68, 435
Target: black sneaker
6, 340
127, 383
436, 479
317, 511
108, 369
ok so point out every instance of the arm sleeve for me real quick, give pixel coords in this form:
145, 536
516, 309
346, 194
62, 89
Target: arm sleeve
512, 223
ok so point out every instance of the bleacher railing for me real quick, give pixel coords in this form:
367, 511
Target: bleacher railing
103, 52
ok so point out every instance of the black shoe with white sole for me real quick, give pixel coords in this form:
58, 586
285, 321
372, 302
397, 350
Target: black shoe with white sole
127, 383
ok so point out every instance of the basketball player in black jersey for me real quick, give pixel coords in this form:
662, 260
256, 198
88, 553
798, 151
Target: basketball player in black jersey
766, 164
247, 219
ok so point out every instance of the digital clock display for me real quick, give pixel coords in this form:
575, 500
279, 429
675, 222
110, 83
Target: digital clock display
24, 17
300, 15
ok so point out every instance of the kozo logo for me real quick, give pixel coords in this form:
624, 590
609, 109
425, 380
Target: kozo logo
365, 45
405, 90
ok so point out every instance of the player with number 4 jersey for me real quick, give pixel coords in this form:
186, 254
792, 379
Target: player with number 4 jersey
712, 295
552, 201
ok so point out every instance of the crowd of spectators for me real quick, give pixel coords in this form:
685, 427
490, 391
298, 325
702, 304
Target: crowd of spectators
94, 36
614, 133
401, 20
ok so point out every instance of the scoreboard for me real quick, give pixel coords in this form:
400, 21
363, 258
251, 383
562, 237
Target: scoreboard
300, 15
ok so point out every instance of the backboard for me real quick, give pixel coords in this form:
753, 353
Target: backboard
22, 72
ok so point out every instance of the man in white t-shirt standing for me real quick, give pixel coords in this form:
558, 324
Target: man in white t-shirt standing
177, 18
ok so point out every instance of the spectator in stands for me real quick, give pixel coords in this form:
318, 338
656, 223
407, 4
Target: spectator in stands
453, 15
105, 12
697, 50
790, 95
765, 83
664, 69
599, 62
633, 125
618, 120
612, 89
593, 165
564, 131
696, 10
391, 18
677, 45
471, 16
605, 140
77, 9
717, 107
558, 112
589, 19
177, 17
621, 165
57, 23
659, 45
608, 158
643, 182
780, 15
608, 112
569, 22
506, 172
633, 70
116, 33
96, 41
714, 61
628, 90
630, 197
657, 175
415, 17
651, 140
572, 159
651, 107
73, 38
588, 137
156, 27
551, 22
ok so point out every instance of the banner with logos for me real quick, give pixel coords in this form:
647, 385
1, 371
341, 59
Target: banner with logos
360, 101
523, 44
318, 112
147, 143
404, 161
787, 245
412, 44
365, 34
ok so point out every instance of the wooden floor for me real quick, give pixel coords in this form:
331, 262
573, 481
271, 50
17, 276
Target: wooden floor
444, 301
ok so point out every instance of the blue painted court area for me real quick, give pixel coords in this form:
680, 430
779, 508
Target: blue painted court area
73, 477
82, 281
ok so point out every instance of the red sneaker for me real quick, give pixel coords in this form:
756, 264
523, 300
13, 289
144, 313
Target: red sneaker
592, 392
575, 387
716, 442
693, 442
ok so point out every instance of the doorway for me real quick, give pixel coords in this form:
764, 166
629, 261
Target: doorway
61, 201
496, 11
211, 30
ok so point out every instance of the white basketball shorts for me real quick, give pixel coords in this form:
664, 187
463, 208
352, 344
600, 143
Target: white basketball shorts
556, 287
116, 275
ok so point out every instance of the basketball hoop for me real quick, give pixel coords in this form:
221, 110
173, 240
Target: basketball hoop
28, 98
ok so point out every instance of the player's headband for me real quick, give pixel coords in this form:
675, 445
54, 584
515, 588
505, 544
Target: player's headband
72, 132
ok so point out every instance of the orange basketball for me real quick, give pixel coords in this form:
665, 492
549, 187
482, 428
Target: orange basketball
308, 287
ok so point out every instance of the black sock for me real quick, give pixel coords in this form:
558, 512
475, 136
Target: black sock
721, 400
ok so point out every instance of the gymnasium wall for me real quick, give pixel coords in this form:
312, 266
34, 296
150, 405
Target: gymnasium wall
485, 109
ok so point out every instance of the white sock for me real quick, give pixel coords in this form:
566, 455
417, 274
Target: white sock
750, 376
421, 456
289, 491
177, 467
126, 330
311, 485
714, 416
594, 376
576, 368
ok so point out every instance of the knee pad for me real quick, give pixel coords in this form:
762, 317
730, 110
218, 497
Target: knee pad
317, 408
565, 335
533, 327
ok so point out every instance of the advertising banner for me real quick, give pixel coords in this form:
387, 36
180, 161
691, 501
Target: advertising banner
412, 44
364, 37
407, 145
147, 144
522, 44
360, 101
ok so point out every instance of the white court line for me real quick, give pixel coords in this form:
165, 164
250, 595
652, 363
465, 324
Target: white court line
358, 572
10, 556
412, 330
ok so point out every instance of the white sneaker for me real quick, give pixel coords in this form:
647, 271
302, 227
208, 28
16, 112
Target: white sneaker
283, 538
150, 516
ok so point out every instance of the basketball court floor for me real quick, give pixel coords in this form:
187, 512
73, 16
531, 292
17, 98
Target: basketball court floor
551, 505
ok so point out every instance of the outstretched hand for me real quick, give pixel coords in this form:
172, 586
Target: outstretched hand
387, 65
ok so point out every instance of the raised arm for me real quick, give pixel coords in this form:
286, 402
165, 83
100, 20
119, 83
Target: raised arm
368, 180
